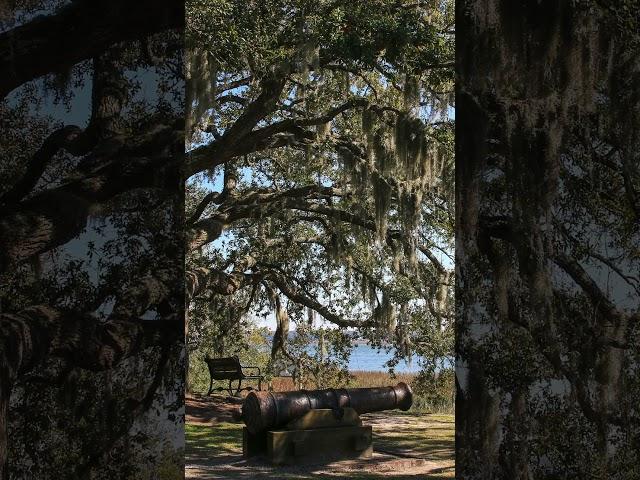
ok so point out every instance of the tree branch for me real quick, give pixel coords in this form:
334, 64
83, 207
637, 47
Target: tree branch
295, 295
39, 332
68, 137
220, 151
84, 28
588, 285
53, 217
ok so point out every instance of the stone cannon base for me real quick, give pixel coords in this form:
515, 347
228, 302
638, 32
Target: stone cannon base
331, 440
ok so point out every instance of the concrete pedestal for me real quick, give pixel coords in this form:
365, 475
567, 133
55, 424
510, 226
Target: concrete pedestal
319, 445
317, 437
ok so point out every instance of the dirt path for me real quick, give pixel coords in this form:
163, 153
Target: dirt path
406, 446
202, 410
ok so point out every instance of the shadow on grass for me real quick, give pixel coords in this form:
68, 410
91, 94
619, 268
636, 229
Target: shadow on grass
216, 451
430, 449
210, 441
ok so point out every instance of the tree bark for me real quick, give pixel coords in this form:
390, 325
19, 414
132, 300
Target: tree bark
53, 217
82, 30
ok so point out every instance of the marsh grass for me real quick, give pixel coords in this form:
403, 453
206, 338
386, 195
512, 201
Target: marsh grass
359, 379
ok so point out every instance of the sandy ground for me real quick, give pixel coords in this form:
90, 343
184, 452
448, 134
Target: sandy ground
211, 410
406, 446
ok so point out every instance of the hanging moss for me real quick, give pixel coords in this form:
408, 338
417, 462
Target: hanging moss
401, 164
415, 149
401, 129
322, 347
406, 346
348, 272
411, 93
282, 327
323, 130
202, 75
427, 159
402, 330
383, 153
382, 193
409, 246
353, 171
441, 293
411, 147
308, 56
373, 294
397, 261
385, 315
410, 203
345, 83
368, 121
334, 246
311, 316
364, 288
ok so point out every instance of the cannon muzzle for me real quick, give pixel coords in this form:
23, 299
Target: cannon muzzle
265, 410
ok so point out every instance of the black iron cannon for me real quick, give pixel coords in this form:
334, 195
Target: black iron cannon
267, 410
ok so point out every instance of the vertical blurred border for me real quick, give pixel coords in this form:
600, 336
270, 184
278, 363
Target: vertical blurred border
547, 235
91, 244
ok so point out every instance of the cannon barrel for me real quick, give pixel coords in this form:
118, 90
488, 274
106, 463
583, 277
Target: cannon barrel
264, 410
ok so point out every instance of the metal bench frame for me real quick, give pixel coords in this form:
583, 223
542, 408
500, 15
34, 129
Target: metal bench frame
229, 368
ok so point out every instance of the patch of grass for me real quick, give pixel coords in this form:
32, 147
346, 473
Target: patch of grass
221, 439
366, 379
428, 436
359, 379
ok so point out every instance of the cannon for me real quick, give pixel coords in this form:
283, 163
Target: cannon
262, 411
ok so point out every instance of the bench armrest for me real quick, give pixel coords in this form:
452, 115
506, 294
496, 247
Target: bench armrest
254, 368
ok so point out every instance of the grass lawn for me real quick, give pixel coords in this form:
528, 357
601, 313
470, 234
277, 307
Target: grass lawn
216, 451
223, 439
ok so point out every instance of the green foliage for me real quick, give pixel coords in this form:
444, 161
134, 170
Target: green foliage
556, 174
435, 392
344, 205
66, 420
319, 356
362, 33
209, 337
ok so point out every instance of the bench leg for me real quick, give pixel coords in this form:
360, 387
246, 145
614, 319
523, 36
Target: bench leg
230, 388
210, 387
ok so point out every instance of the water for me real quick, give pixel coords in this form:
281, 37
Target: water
368, 358
365, 357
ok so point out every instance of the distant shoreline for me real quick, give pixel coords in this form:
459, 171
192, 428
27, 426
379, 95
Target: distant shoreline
354, 341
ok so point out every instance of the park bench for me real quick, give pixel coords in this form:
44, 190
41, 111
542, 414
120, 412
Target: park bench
229, 368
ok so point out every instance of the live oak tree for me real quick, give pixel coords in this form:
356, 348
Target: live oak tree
321, 174
91, 242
